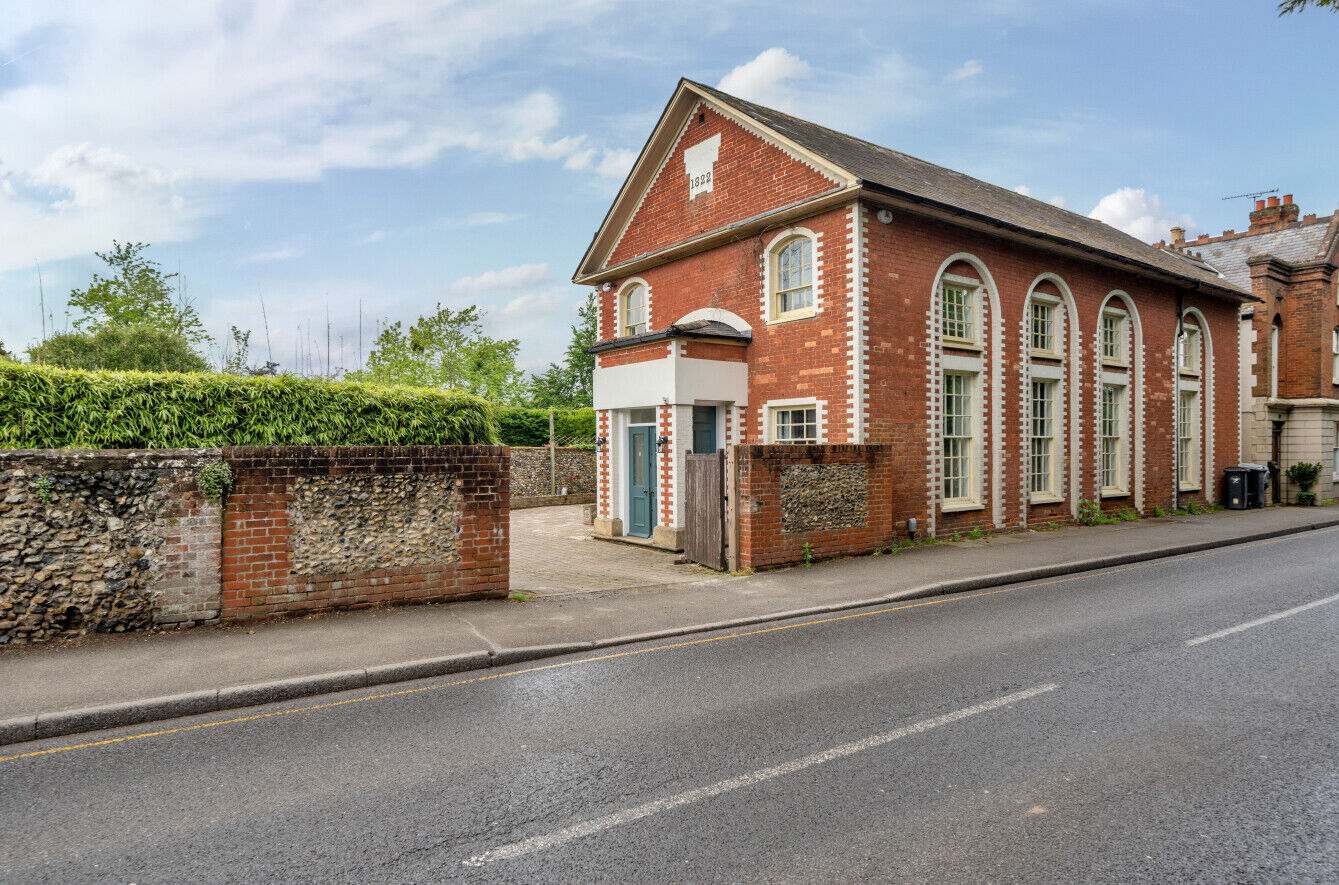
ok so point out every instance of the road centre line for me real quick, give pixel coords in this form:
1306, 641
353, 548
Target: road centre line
659, 806
939, 600
1199, 640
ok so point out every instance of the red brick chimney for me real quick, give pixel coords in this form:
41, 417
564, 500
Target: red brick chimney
1178, 237
1272, 215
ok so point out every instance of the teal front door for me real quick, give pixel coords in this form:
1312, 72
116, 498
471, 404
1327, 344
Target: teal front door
642, 481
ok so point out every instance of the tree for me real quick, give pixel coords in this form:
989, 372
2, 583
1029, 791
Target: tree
569, 384
237, 358
123, 348
138, 293
1290, 6
446, 349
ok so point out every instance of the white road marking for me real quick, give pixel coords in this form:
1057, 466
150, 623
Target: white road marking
1265, 620
628, 815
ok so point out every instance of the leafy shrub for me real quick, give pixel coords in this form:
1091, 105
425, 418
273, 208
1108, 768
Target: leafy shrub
215, 480
120, 348
1090, 513
530, 427
1304, 474
48, 408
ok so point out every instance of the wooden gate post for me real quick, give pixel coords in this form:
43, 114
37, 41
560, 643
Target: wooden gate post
732, 508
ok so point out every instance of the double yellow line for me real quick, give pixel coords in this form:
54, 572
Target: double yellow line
623, 654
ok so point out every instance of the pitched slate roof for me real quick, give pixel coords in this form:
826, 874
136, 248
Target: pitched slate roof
904, 175
1303, 242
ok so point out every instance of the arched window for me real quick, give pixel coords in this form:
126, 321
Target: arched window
793, 278
632, 311
1045, 322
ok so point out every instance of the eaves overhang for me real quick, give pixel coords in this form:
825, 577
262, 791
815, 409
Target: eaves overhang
713, 333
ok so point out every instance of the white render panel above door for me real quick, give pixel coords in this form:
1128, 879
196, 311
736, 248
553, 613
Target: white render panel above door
676, 380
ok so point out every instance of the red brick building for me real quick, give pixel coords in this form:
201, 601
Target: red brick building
1290, 340
764, 279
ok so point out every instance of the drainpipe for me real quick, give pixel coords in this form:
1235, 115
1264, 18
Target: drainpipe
1176, 399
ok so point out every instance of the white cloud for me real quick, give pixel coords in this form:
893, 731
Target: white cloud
1024, 190
285, 253
1058, 200
1139, 214
375, 236
511, 279
965, 71
887, 87
765, 78
123, 122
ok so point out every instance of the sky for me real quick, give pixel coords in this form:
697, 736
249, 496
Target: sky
365, 162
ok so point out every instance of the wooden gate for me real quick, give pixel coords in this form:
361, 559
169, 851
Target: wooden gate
704, 518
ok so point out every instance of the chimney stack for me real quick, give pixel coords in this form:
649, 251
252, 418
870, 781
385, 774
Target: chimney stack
1272, 215
1178, 237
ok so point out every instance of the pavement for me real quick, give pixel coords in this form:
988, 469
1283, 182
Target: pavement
110, 681
1165, 721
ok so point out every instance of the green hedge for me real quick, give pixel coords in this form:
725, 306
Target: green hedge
530, 427
47, 408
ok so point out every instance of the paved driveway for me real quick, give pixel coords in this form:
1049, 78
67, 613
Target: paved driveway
553, 554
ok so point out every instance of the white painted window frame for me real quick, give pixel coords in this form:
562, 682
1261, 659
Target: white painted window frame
771, 407
1122, 334
770, 275
1051, 496
1051, 303
1193, 484
1188, 359
1121, 385
620, 308
973, 289
971, 370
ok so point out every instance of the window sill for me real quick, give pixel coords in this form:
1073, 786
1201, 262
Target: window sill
791, 317
1044, 355
1114, 364
1190, 373
962, 344
960, 506
1047, 498
1114, 493
1188, 487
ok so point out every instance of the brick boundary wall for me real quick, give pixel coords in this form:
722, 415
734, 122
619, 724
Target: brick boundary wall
763, 541
258, 577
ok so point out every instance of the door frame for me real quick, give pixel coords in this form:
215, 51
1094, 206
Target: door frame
648, 432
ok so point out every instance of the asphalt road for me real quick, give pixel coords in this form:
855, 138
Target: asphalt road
1070, 730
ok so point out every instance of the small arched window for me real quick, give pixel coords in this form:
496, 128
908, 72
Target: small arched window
1274, 359
793, 278
632, 311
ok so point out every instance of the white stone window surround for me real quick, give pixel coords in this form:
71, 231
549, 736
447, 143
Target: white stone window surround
1069, 411
1334, 358
1133, 374
620, 320
766, 427
770, 316
975, 314
1204, 444
990, 400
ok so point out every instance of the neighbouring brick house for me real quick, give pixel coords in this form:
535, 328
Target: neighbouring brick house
1290, 340
764, 279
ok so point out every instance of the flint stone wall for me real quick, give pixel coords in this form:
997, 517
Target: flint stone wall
822, 496
356, 522
812, 501
530, 472
104, 541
